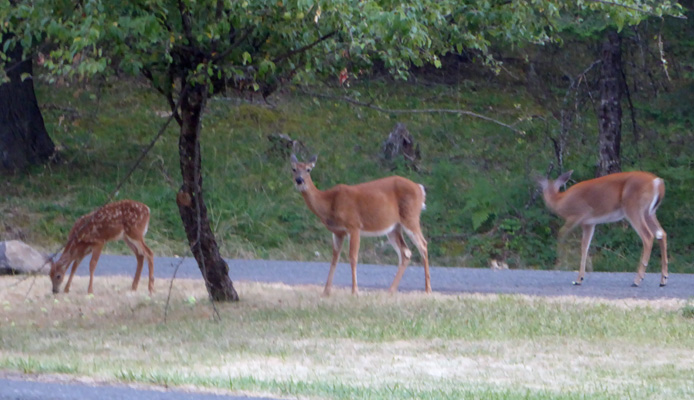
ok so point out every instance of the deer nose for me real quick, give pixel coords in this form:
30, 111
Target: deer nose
299, 180
56, 290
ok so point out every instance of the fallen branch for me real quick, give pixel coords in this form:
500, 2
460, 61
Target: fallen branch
411, 111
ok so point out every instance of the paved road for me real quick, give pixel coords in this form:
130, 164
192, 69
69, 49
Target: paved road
15, 387
449, 280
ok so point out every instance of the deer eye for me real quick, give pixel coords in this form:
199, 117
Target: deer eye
293, 169
58, 276
308, 170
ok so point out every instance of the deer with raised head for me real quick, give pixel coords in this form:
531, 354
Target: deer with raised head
611, 198
125, 219
384, 207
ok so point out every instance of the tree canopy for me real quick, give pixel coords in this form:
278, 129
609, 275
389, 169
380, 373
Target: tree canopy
257, 45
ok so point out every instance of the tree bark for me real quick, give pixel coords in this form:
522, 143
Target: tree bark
610, 111
191, 204
23, 137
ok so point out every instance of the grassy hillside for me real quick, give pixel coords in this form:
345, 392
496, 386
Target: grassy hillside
481, 198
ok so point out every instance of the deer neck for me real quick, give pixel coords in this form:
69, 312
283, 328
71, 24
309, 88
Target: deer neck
63, 262
71, 252
552, 198
316, 200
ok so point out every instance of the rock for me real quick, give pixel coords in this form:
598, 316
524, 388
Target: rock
497, 265
17, 257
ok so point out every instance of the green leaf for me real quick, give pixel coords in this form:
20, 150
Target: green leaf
247, 59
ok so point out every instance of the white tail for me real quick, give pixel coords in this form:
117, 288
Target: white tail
631, 195
385, 206
125, 219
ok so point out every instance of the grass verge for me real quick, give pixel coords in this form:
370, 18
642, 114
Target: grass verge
289, 341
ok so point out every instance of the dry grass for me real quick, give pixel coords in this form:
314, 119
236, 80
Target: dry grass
285, 340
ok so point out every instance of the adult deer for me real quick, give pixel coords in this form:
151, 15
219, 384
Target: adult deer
386, 206
125, 219
611, 198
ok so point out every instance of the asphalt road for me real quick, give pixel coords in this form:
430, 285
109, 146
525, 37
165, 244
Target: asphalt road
443, 279
17, 387
374, 277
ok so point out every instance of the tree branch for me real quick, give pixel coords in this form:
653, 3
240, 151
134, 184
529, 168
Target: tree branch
413, 111
167, 94
219, 9
233, 46
185, 21
303, 49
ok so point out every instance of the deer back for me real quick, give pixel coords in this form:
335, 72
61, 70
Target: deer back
604, 199
108, 223
371, 206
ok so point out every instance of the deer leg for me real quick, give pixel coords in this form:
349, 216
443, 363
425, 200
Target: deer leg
659, 234
587, 237
338, 239
418, 239
96, 253
404, 254
353, 257
150, 266
75, 264
641, 227
141, 251
140, 260
566, 228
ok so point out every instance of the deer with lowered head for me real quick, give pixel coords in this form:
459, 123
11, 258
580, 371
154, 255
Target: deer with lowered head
125, 219
611, 198
384, 207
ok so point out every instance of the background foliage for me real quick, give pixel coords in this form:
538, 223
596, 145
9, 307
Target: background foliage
482, 201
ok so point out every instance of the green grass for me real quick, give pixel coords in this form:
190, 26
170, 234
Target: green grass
481, 196
290, 341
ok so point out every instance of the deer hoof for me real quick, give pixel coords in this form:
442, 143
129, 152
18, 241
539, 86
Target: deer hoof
663, 284
576, 283
634, 284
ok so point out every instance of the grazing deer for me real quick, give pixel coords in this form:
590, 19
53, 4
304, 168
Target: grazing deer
125, 219
386, 206
611, 198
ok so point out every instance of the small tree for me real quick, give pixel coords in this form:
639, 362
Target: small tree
190, 50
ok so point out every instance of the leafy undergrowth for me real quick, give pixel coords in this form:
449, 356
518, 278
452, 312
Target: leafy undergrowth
482, 201
291, 341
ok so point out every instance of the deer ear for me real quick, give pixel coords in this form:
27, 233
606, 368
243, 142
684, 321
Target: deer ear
563, 178
313, 160
293, 159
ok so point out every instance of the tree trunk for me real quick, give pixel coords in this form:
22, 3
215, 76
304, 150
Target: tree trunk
191, 204
610, 111
23, 137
